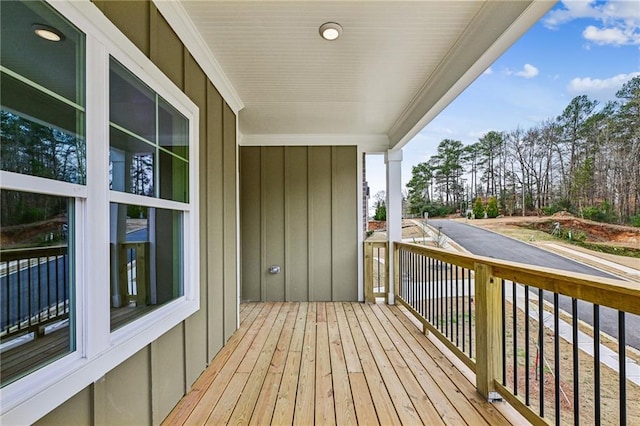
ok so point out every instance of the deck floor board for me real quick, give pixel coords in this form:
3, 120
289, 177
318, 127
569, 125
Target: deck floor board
333, 363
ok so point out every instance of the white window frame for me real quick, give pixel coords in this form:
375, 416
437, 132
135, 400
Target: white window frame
98, 350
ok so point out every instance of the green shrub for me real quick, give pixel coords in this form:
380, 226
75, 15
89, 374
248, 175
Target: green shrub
478, 209
492, 208
572, 235
33, 214
381, 211
635, 220
136, 212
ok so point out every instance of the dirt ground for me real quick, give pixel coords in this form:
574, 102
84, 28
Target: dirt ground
595, 232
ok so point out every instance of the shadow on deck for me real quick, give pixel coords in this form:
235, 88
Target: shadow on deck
334, 363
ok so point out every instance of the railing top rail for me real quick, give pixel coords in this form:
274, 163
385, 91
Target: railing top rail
31, 253
617, 294
134, 243
377, 243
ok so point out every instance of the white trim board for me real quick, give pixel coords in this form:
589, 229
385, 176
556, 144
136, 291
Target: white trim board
179, 20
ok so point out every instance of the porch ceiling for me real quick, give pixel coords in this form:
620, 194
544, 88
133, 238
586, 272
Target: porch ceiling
395, 67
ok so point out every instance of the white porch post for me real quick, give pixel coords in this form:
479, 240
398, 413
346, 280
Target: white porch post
393, 160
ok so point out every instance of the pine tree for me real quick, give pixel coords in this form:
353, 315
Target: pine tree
492, 207
478, 209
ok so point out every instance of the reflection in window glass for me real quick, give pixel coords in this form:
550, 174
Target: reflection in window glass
174, 182
173, 128
36, 282
145, 129
131, 164
41, 95
132, 105
146, 260
56, 66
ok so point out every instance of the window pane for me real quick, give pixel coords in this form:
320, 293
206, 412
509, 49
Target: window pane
174, 130
57, 66
174, 178
131, 164
132, 105
42, 95
36, 282
146, 260
37, 149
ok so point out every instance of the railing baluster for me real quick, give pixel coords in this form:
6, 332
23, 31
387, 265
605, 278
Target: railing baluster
40, 289
470, 320
412, 295
446, 299
377, 263
57, 259
556, 355
412, 280
622, 367
526, 346
451, 311
457, 313
48, 269
423, 287
66, 282
576, 362
429, 289
29, 301
5, 286
441, 296
541, 348
515, 336
596, 364
504, 333
463, 310
19, 291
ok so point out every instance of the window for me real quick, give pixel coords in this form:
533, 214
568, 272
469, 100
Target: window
43, 137
98, 217
148, 156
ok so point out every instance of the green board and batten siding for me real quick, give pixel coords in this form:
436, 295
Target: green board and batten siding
300, 212
144, 388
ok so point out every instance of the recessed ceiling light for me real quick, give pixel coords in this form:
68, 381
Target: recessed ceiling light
48, 33
330, 30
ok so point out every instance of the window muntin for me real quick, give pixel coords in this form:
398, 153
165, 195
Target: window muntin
36, 282
42, 86
146, 260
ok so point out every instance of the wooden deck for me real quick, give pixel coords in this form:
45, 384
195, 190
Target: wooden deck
333, 363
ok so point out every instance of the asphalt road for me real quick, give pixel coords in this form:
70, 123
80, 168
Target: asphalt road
486, 243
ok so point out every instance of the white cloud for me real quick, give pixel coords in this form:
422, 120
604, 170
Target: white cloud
572, 10
488, 71
619, 21
601, 89
528, 71
614, 36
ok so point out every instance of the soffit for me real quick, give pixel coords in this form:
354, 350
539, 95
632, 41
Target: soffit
393, 63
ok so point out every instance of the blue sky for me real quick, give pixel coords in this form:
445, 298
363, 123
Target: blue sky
579, 47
